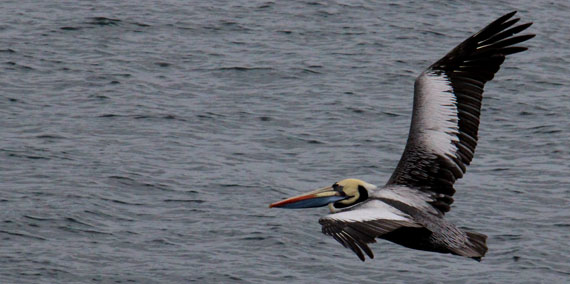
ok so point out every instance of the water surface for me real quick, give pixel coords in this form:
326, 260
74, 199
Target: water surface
142, 142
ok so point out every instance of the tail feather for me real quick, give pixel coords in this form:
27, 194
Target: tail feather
475, 247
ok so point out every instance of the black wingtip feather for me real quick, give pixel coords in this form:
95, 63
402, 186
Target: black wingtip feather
511, 41
493, 26
507, 33
513, 50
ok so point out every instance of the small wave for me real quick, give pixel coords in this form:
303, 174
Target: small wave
140, 24
355, 110
31, 157
121, 201
163, 242
185, 200
50, 136
36, 218
253, 238
241, 68
165, 116
19, 66
70, 28
103, 21
391, 114
209, 115
108, 115
73, 220
121, 178
306, 70
23, 235
508, 237
143, 116
77, 230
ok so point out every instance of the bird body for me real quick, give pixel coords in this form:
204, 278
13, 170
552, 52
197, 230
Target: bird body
401, 215
409, 210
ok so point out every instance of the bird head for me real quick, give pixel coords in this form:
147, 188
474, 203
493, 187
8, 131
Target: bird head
344, 193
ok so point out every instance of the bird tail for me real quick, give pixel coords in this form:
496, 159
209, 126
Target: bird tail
475, 247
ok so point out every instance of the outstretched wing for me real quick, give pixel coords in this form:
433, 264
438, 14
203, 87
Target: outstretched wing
447, 105
360, 225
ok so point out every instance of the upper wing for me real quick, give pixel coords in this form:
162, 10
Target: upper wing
447, 105
358, 226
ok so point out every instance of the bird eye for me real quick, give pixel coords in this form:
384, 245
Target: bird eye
337, 187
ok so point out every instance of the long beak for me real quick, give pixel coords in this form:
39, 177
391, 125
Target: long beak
315, 198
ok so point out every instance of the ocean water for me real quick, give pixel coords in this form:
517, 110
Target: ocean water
142, 141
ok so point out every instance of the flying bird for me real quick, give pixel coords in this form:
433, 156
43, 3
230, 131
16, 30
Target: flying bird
409, 210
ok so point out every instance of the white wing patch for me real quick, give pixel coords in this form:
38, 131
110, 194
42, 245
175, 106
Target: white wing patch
368, 211
411, 197
438, 119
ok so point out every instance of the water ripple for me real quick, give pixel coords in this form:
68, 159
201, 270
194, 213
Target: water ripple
143, 142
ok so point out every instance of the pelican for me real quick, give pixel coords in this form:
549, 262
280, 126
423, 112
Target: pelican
409, 210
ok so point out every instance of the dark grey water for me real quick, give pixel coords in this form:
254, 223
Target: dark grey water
142, 142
